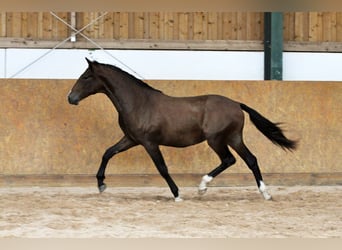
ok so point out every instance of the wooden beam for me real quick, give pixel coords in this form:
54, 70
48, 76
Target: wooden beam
155, 44
223, 45
293, 46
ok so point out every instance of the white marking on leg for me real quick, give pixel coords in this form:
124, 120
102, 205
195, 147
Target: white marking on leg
178, 199
203, 185
262, 187
263, 191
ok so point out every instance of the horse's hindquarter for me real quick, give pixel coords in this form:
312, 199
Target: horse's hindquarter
222, 114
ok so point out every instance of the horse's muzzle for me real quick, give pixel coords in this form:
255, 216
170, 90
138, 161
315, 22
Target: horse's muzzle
73, 99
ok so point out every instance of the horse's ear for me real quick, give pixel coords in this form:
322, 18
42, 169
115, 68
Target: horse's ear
88, 61
90, 64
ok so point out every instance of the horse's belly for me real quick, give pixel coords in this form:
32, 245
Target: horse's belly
183, 138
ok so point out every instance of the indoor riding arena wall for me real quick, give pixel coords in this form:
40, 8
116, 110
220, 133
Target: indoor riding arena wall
46, 141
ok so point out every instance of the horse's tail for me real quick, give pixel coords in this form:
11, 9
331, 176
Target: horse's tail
269, 129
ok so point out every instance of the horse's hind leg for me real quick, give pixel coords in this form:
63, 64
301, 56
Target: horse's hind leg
252, 163
227, 159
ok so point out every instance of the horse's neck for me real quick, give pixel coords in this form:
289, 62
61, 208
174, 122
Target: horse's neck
124, 94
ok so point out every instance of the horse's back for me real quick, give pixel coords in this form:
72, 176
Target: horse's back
208, 110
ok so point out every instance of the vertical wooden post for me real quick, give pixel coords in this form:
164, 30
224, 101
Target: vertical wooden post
273, 46
73, 24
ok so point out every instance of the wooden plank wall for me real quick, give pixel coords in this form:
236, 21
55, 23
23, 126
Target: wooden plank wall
299, 26
46, 140
137, 25
34, 25
313, 26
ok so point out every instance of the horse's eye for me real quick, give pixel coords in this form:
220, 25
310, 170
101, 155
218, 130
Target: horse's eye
86, 77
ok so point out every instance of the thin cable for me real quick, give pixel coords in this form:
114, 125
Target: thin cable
59, 44
95, 43
109, 54
73, 28
40, 57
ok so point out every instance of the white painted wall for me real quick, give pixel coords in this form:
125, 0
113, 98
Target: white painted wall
180, 65
312, 66
2, 63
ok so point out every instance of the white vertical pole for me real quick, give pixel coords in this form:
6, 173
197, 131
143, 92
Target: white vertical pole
73, 25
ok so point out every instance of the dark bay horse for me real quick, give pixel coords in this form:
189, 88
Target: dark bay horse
150, 118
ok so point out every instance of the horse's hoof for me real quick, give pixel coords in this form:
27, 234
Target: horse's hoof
102, 187
178, 199
267, 196
202, 191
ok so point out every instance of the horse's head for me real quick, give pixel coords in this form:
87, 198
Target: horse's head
88, 84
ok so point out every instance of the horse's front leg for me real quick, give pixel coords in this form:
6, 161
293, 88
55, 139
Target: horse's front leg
124, 144
157, 157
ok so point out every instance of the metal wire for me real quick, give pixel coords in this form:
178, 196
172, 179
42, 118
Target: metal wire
67, 39
39, 58
97, 45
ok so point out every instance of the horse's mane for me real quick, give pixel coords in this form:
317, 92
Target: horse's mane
136, 80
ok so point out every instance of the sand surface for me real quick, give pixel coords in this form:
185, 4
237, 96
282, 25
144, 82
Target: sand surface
300, 211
